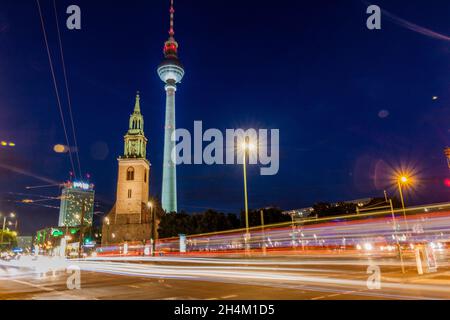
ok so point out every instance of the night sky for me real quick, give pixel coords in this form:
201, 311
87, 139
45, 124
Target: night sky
351, 104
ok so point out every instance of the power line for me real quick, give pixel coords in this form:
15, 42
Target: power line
55, 84
67, 88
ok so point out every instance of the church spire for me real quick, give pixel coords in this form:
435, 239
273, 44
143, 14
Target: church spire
136, 119
137, 106
135, 140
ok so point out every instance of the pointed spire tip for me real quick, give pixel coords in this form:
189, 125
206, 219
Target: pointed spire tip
137, 106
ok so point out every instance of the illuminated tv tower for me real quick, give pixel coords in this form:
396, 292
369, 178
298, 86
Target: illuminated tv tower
171, 72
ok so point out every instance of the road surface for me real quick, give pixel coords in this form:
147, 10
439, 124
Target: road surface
239, 278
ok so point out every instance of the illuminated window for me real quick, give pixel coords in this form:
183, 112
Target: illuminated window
130, 174
129, 193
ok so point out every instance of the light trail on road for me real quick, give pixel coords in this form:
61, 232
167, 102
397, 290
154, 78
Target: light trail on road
336, 277
382, 234
332, 257
321, 279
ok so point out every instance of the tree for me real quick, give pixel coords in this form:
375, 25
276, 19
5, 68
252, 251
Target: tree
173, 224
324, 209
211, 221
9, 240
271, 216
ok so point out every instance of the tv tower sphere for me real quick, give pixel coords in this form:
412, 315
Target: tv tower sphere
171, 71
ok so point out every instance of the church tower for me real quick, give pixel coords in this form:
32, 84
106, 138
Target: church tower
130, 219
134, 171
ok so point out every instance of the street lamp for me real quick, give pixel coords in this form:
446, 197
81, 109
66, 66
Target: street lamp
403, 180
246, 147
396, 236
81, 238
107, 222
152, 211
11, 215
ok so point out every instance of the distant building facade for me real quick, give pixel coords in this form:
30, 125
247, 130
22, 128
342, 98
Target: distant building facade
77, 201
299, 214
308, 212
25, 243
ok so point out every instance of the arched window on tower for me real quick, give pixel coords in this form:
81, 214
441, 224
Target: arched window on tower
130, 174
145, 176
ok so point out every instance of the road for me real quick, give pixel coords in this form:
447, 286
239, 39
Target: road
231, 278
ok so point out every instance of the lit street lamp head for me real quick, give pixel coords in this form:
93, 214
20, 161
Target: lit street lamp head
248, 146
404, 179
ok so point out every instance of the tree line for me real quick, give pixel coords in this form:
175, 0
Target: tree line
174, 224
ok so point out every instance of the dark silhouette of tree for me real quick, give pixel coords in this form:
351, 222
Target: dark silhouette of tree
324, 209
173, 224
9, 240
271, 216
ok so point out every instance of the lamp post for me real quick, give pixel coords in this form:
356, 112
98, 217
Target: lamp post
403, 180
152, 211
246, 147
263, 233
245, 190
81, 237
396, 236
107, 222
